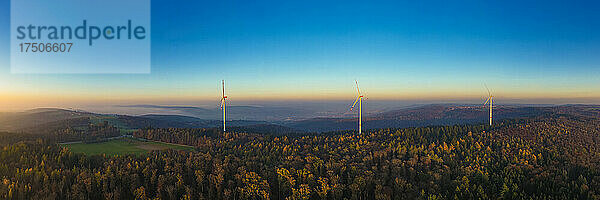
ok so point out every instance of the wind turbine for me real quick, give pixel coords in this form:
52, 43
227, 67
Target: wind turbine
224, 105
359, 101
490, 99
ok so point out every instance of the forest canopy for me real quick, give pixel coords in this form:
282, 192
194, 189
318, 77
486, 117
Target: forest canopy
554, 157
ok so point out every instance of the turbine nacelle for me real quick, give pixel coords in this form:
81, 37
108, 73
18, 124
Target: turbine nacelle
223, 101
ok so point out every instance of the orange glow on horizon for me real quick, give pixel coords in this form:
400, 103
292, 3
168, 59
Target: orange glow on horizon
19, 101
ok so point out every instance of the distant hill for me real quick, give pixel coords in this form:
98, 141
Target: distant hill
178, 121
460, 112
31, 119
437, 114
244, 112
165, 121
49, 119
44, 120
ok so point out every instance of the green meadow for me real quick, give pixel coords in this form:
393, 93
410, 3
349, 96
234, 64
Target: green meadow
123, 146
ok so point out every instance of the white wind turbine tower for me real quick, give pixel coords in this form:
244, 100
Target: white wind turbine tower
359, 101
224, 105
490, 99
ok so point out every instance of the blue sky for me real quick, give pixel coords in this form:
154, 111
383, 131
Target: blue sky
313, 50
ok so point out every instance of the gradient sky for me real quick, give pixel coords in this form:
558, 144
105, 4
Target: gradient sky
444, 51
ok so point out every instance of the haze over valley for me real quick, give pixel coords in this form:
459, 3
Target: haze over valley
288, 118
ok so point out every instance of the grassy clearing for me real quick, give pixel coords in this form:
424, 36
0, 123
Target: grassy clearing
123, 146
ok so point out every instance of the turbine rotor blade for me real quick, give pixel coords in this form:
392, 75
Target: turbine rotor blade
488, 89
354, 103
486, 101
357, 89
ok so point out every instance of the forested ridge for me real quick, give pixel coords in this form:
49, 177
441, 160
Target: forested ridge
550, 157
